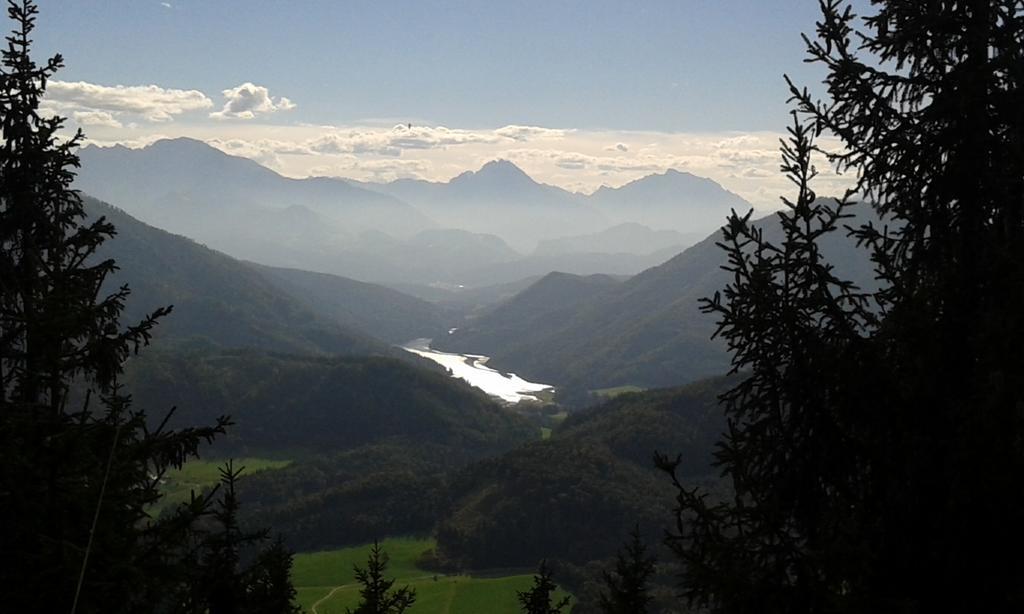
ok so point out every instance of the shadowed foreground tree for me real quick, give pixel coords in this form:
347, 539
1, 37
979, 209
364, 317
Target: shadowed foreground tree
79, 467
537, 599
226, 576
376, 596
627, 590
876, 444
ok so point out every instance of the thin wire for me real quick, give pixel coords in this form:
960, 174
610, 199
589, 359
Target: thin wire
95, 519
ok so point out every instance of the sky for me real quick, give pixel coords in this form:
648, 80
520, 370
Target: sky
579, 93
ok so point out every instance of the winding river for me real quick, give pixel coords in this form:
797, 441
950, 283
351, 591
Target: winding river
473, 369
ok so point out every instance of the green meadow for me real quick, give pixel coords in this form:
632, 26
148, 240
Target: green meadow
197, 474
326, 585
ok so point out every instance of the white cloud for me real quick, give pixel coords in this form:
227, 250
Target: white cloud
530, 133
96, 118
355, 167
402, 137
249, 100
152, 102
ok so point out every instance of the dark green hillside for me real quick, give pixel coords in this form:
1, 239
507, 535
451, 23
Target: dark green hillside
346, 497
647, 331
552, 499
376, 310
534, 313
303, 404
216, 298
575, 495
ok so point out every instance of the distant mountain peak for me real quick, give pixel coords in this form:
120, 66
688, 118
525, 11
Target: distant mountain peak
501, 165
182, 145
499, 170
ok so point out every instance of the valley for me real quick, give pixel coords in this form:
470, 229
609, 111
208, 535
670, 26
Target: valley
514, 427
511, 307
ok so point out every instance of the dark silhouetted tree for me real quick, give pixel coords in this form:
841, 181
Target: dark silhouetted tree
79, 467
626, 589
875, 443
269, 588
538, 598
376, 596
221, 582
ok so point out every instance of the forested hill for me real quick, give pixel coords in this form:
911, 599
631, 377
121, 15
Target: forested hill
574, 496
306, 404
229, 303
646, 331
569, 498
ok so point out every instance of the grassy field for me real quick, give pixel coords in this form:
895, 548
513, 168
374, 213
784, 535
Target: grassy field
201, 473
324, 580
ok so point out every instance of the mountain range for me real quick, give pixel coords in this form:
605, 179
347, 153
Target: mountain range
480, 228
224, 302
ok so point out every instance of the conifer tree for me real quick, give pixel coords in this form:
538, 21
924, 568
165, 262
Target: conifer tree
538, 598
221, 581
376, 596
79, 466
874, 443
269, 588
626, 589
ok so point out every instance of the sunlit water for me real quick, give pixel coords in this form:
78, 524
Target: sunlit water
472, 368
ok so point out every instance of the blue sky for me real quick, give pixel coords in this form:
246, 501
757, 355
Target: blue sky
682, 67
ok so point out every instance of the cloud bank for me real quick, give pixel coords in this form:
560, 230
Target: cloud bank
152, 102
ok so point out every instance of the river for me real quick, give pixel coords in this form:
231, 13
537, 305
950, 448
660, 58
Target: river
473, 369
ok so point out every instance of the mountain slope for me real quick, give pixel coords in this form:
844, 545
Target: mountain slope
239, 304
533, 314
646, 331
215, 297
379, 311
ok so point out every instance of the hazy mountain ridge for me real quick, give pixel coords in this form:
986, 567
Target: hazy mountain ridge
479, 228
235, 304
187, 186
670, 200
624, 238
499, 198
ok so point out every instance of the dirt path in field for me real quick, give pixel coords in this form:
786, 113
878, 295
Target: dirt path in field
321, 600
326, 597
